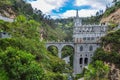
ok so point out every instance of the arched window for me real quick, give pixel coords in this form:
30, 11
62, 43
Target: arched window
86, 60
81, 48
84, 38
81, 60
90, 48
88, 38
92, 38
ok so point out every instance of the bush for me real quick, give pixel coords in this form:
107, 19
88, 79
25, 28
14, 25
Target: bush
20, 65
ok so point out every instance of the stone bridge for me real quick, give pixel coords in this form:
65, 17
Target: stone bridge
59, 46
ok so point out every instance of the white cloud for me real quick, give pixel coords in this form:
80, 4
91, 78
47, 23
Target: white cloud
69, 13
95, 4
46, 6
82, 13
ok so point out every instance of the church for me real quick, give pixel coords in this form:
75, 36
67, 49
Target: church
86, 39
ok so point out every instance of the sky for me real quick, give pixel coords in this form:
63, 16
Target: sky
67, 8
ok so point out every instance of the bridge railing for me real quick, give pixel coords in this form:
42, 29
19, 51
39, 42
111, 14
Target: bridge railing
60, 41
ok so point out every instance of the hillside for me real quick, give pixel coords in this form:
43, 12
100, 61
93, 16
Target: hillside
112, 14
113, 17
23, 56
105, 63
14, 8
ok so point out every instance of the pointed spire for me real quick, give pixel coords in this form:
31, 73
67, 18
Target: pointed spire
78, 21
77, 15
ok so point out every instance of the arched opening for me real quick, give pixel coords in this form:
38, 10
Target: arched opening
81, 60
91, 48
53, 50
88, 38
67, 54
86, 61
81, 48
84, 38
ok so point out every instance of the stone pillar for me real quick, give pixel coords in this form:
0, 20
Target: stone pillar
59, 53
83, 62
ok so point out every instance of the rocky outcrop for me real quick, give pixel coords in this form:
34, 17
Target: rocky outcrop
7, 11
113, 17
114, 73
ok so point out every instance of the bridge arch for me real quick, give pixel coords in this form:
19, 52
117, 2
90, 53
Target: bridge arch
65, 48
67, 53
47, 46
53, 50
60, 46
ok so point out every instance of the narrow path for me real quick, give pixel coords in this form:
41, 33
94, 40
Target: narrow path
6, 19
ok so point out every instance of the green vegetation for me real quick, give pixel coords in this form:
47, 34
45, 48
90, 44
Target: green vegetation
67, 26
108, 53
97, 71
112, 9
112, 53
5, 2
53, 50
48, 25
25, 45
112, 25
112, 39
24, 57
20, 65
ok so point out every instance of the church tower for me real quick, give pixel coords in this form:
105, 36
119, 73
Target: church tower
77, 25
77, 20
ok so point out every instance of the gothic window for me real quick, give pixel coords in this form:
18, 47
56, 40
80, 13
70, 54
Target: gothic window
77, 40
81, 60
86, 60
84, 38
92, 38
90, 54
88, 38
91, 48
81, 48
97, 44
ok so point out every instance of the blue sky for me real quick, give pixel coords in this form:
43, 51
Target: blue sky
66, 8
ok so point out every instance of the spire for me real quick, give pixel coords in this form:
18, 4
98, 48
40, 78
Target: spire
77, 13
78, 21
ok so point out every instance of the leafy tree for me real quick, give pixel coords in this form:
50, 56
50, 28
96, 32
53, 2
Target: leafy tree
53, 50
5, 2
20, 65
97, 71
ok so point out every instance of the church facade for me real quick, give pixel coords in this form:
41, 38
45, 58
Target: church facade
86, 40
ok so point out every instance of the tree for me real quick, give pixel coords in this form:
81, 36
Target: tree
20, 65
97, 71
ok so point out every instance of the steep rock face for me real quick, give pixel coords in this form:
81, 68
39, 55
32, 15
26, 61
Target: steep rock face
114, 73
7, 11
108, 48
113, 17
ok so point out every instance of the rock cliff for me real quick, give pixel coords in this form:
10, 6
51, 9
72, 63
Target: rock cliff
113, 17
